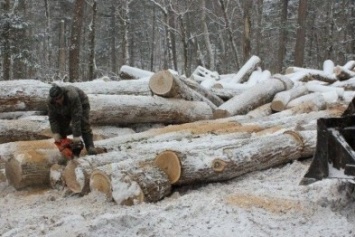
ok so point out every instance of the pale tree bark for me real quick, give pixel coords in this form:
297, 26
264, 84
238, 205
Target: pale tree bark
247, 5
47, 53
301, 33
74, 49
126, 28
206, 35
283, 34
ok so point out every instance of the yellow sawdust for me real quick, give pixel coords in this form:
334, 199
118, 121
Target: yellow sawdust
271, 204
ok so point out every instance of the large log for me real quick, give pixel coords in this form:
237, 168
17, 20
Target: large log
228, 163
30, 162
166, 84
128, 72
124, 109
130, 182
123, 87
21, 130
313, 74
343, 73
256, 96
282, 98
23, 95
246, 70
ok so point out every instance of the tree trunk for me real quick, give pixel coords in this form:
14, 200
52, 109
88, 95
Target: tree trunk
92, 63
6, 63
283, 34
62, 57
130, 182
244, 73
74, 49
263, 153
301, 33
165, 84
29, 165
247, 29
259, 94
281, 99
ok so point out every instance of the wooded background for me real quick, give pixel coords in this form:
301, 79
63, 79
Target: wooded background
79, 40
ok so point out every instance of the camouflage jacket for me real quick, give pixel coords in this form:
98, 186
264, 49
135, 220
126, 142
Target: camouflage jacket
75, 101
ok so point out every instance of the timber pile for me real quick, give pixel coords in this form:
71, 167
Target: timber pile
210, 128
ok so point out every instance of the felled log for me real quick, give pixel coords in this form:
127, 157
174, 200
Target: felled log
282, 98
20, 114
124, 109
201, 74
30, 163
256, 96
228, 163
23, 95
343, 73
127, 72
246, 70
123, 87
20, 130
350, 65
204, 92
313, 73
324, 88
166, 84
130, 182
316, 97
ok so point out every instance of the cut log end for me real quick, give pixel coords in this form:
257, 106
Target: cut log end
277, 106
218, 165
74, 177
161, 83
100, 182
169, 162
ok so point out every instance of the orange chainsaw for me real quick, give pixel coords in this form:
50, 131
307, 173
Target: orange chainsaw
68, 148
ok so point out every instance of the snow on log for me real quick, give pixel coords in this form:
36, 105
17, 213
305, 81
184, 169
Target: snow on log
281, 99
23, 95
20, 130
30, 163
123, 87
313, 74
261, 111
127, 72
346, 85
324, 88
316, 97
55, 176
166, 84
227, 163
258, 95
246, 70
20, 114
343, 74
124, 109
201, 74
350, 65
328, 67
203, 91
130, 182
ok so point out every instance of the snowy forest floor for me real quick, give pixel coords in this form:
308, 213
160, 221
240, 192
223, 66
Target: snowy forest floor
264, 203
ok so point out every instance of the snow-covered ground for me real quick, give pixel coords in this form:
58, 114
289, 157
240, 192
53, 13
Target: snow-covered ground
265, 203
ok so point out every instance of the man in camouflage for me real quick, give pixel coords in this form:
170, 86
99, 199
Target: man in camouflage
70, 105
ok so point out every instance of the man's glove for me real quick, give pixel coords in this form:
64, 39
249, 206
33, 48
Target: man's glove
77, 146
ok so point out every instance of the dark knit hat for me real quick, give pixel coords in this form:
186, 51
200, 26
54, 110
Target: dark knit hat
55, 91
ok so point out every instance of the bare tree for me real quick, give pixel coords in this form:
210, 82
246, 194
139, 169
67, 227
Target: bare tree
74, 48
230, 32
283, 34
206, 36
247, 7
6, 64
301, 33
92, 64
258, 34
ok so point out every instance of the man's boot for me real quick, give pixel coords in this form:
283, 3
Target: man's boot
89, 144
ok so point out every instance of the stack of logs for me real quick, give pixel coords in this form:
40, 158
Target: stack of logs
202, 136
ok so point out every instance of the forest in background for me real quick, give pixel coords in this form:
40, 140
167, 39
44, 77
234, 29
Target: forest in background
78, 40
